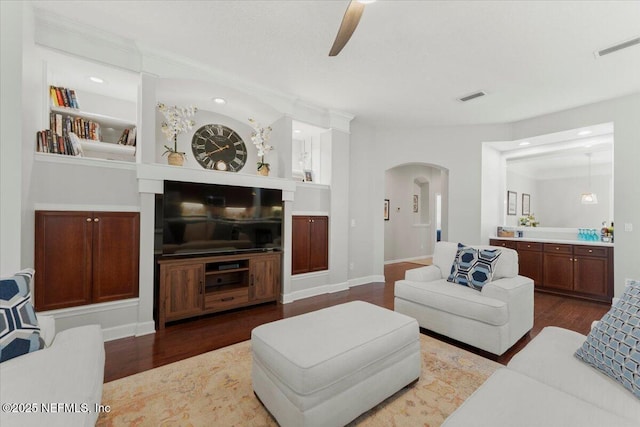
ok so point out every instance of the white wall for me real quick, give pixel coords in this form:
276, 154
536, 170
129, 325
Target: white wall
494, 199
624, 113
524, 185
10, 137
406, 235
560, 203
457, 149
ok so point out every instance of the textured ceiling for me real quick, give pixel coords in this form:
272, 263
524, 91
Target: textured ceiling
407, 62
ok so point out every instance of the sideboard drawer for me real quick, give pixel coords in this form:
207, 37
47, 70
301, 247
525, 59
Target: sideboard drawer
596, 251
558, 248
503, 243
529, 246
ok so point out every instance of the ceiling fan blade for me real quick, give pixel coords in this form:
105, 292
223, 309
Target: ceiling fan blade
348, 26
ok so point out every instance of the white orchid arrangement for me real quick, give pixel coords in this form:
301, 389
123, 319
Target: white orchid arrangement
177, 120
260, 137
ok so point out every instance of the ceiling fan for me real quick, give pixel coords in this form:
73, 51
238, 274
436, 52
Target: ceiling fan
348, 24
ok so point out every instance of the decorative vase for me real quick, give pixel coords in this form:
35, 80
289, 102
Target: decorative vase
175, 159
263, 170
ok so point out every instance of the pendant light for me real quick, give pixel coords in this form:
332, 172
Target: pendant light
589, 198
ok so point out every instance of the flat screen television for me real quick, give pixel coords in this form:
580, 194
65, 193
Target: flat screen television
212, 219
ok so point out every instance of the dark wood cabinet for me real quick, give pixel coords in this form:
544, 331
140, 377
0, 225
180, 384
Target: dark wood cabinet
184, 288
84, 257
530, 261
265, 276
592, 270
310, 244
558, 271
194, 286
584, 271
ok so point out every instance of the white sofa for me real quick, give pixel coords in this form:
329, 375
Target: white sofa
492, 319
65, 378
545, 385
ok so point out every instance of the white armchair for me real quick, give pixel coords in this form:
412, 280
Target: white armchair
492, 319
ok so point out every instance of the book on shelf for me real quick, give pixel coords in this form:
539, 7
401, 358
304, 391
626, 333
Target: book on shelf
63, 97
67, 143
124, 137
131, 140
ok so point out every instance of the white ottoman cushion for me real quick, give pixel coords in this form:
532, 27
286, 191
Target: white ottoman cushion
312, 358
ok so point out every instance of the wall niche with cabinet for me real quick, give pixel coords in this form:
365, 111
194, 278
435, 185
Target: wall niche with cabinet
85, 257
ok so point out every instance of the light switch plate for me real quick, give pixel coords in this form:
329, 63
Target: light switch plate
628, 226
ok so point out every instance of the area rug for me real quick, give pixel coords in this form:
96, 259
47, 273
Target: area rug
214, 389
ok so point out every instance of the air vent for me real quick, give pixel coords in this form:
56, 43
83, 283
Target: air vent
618, 47
472, 96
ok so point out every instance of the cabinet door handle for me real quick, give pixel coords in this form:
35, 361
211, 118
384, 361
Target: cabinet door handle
557, 249
201, 283
88, 219
570, 259
590, 250
227, 299
251, 281
96, 219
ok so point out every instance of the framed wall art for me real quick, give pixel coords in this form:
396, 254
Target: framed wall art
512, 203
386, 209
526, 204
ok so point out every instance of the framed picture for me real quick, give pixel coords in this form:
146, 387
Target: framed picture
512, 203
386, 209
526, 204
308, 176
415, 203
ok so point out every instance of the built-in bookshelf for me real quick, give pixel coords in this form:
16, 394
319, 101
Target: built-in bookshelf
80, 134
97, 135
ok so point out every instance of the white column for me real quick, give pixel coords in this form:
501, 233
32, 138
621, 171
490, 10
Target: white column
10, 136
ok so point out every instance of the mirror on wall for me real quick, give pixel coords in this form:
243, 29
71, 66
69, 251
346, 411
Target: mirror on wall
554, 171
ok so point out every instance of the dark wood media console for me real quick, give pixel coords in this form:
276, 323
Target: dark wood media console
199, 285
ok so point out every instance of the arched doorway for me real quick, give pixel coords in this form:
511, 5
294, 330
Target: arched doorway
418, 200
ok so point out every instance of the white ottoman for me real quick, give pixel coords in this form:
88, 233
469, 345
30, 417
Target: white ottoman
327, 367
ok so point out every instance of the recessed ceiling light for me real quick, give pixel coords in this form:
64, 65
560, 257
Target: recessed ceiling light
524, 143
220, 101
297, 131
96, 79
588, 145
366, 1
584, 132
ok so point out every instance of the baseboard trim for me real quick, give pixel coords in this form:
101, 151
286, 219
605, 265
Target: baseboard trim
312, 292
129, 330
61, 313
329, 289
393, 261
145, 328
366, 280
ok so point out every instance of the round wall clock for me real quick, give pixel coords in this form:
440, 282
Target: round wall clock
219, 147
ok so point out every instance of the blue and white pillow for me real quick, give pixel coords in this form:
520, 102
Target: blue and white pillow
613, 345
473, 267
19, 331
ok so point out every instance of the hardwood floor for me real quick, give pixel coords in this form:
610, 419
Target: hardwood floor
188, 338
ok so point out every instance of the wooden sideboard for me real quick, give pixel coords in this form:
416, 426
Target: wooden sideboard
584, 271
194, 286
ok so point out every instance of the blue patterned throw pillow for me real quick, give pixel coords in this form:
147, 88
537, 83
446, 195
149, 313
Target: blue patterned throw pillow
613, 345
19, 331
473, 267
